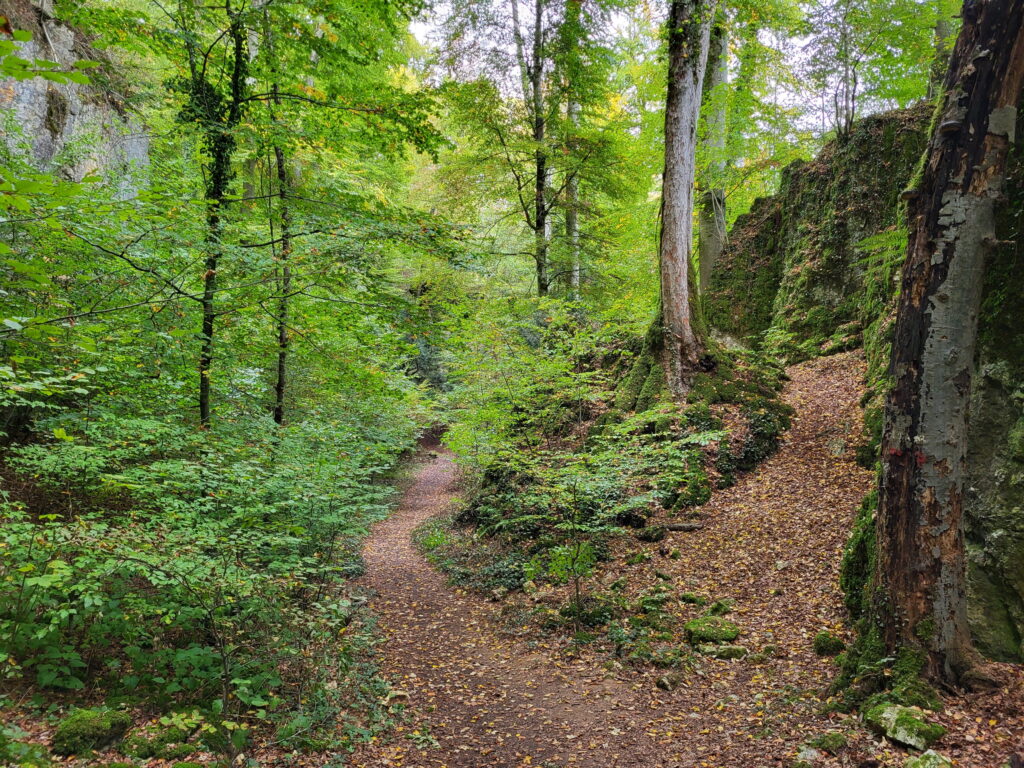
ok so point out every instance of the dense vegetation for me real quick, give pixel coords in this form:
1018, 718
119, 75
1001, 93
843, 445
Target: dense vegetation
252, 251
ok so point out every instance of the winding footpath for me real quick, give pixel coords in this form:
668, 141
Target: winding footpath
478, 697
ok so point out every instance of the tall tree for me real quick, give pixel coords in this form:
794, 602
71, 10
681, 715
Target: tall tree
920, 576
689, 32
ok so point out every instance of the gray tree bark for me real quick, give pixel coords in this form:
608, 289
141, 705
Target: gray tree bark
689, 31
920, 595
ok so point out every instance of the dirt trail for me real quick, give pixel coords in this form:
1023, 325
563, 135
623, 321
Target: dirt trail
772, 543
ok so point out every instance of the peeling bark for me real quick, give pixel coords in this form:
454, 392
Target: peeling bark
920, 602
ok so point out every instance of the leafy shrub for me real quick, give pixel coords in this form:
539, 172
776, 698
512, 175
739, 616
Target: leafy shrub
264, 525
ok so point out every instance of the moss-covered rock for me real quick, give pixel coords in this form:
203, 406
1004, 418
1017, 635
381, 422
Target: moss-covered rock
904, 725
929, 759
722, 651
795, 263
720, 607
86, 729
827, 644
710, 629
157, 741
833, 742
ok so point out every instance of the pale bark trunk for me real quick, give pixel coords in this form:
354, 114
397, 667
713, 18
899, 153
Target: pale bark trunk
920, 602
688, 36
943, 29
712, 209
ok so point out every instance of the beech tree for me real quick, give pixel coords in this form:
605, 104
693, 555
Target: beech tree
689, 33
920, 574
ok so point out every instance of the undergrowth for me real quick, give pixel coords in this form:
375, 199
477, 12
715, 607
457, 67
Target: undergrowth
203, 572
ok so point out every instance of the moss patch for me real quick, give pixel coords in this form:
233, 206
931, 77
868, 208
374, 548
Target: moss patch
710, 629
904, 725
827, 644
86, 729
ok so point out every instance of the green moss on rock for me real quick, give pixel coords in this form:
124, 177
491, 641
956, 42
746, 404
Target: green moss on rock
904, 725
87, 729
710, 629
833, 742
929, 759
722, 651
827, 644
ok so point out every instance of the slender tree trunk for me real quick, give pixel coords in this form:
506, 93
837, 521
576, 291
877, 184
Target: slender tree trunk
221, 145
689, 31
943, 29
572, 208
920, 601
540, 193
283, 335
712, 208
573, 29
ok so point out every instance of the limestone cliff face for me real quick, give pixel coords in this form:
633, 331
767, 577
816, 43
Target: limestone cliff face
68, 128
816, 265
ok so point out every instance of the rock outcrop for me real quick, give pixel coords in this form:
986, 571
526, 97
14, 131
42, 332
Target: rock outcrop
814, 269
69, 128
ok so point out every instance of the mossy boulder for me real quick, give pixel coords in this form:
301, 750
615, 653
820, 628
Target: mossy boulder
156, 741
833, 742
929, 759
720, 607
723, 651
827, 644
904, 725
86, 729
710, 629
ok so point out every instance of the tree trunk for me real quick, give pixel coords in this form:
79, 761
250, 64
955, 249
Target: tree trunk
573, 13
688, 36
540, 194
283, 335
220, 142
712, 209
572, 226
920, 600
943, 29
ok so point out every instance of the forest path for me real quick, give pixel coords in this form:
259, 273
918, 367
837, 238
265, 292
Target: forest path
772, 543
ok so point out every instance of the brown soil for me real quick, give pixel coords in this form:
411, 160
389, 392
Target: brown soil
772, 543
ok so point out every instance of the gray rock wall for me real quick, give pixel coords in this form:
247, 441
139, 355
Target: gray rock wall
74, 130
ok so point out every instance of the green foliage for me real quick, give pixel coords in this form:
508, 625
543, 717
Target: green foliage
15, 751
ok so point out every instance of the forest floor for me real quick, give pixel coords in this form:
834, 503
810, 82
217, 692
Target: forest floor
479, 696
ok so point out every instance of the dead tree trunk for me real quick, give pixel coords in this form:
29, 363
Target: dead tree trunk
920, 575
689, 31
712, 207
